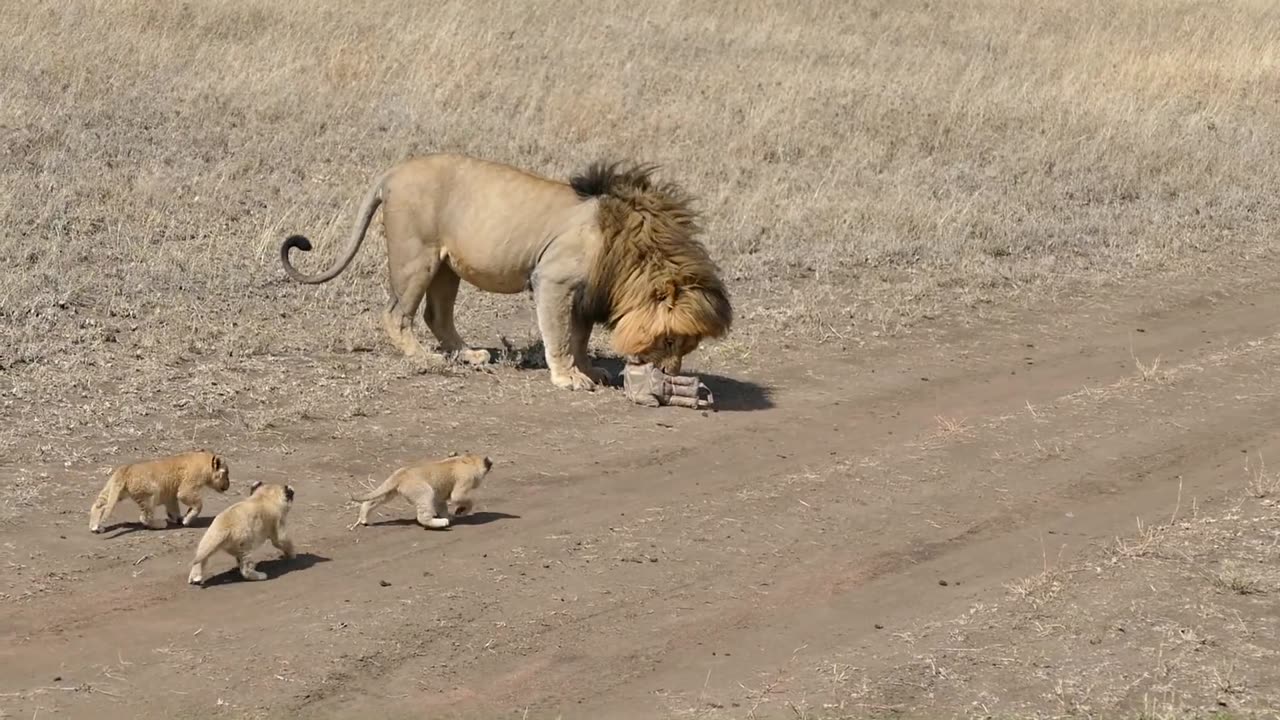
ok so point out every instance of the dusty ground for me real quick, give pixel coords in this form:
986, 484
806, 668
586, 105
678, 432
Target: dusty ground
930, 524
1005, 278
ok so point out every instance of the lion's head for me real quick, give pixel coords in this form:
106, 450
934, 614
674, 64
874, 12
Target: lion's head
219, 473
653, 283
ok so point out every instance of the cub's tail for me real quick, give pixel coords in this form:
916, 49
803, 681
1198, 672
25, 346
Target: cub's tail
107, 500
213, 537
381, 491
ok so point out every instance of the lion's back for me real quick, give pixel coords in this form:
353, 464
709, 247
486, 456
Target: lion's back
165, 476
490, 220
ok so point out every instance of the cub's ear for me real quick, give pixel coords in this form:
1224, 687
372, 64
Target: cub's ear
216, 463
288, 493
488, 463
254, 487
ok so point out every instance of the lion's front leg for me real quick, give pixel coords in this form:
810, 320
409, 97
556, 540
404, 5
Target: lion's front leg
555, 321
284, 543
580, 335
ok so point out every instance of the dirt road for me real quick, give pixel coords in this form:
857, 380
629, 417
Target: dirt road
635, 563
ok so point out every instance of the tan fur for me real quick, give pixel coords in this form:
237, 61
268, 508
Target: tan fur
431, 486
163, 482
609, 247
242, 527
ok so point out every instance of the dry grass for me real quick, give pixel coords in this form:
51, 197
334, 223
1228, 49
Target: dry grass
861, 165
1261, 484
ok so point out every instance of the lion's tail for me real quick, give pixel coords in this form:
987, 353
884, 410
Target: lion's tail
107, 500
380, 491
213, 537
372, 199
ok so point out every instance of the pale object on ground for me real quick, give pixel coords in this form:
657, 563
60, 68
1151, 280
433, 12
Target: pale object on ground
649, 386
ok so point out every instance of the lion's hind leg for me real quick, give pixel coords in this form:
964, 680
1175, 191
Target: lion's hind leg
210, 543
368, 506
172, 512
438, 314
408, 286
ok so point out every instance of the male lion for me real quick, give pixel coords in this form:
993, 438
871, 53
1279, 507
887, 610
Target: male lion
609, 247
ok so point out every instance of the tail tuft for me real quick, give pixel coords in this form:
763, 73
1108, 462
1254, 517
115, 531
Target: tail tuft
297, 241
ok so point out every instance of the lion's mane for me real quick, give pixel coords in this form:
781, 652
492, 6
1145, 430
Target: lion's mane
652, 278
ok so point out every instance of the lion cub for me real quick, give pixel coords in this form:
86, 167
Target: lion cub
165, 481
245, 525
430, 486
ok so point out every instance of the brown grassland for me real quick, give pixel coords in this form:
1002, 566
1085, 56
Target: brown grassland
918, 188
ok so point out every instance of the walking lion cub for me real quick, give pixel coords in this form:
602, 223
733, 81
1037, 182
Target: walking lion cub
163, 482
245, 525
431, 486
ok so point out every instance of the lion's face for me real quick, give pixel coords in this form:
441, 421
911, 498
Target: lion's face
667, 354
220, 475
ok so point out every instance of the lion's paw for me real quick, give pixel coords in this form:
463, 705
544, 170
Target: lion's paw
474, 357
600, 376
575, 379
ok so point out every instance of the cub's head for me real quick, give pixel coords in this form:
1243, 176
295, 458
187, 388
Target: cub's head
219, 474
272, 492
479, 465
476, 467
672, 324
